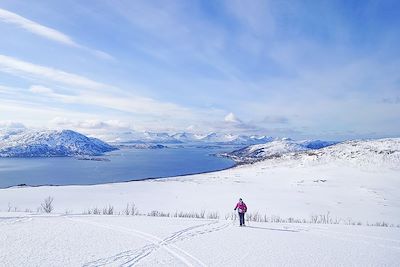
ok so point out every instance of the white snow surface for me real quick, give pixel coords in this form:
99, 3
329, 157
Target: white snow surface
73, 240
357, 181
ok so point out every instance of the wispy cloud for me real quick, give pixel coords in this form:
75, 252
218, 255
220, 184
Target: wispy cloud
29, 70
394, 100
46, 32
91, 125
275, 119
88, 92
273, 64
39, 89
12, 125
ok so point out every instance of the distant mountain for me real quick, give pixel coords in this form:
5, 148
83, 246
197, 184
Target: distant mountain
249, 140
185, 137
24, 142
29, 143
190, 138
163, 138
221, 138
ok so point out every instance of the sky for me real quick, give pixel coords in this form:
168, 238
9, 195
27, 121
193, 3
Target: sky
300, 69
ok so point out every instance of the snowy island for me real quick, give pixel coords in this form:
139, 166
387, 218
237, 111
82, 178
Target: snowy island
46, 143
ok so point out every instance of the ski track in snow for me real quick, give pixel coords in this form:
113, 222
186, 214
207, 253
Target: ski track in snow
132, 257
14, 220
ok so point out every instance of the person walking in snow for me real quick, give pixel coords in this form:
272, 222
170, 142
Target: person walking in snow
242, 208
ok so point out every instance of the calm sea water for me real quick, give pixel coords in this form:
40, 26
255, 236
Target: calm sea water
124, 165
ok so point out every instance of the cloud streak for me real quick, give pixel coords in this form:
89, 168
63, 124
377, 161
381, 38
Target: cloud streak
28, 70
88, 92
274, 65
46, 32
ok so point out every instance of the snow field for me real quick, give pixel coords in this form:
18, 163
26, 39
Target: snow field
76, 240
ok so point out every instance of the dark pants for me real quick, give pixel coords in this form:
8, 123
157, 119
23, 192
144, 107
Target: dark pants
241, 218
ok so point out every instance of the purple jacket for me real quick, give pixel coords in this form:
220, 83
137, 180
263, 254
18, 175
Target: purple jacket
241, 207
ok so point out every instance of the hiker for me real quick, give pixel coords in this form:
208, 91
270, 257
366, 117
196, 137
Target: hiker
242, 208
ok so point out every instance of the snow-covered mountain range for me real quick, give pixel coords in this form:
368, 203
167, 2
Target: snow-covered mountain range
189, 138
31, 143
47, 143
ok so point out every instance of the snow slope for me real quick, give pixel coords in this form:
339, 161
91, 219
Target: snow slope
74, 240
50, 143
365, 152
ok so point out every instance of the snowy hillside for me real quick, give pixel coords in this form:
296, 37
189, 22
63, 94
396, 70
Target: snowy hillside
366, 153
30, 143
274, 149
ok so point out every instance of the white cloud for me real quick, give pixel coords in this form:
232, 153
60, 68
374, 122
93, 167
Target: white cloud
46, 32
91, 124
89, 92
12, 125
255, 15
50, 93
272, 119
232, 118
49, 33
39, 89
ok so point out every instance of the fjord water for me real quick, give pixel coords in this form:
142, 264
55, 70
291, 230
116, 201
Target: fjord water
123, 165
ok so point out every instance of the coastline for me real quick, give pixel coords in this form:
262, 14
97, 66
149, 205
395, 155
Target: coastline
122, 182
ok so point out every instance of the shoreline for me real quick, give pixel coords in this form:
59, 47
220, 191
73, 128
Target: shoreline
121, 182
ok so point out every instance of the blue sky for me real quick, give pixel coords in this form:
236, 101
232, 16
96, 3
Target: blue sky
303, 69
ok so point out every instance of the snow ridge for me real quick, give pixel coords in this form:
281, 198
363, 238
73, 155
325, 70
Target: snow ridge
358, 152
274, 149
